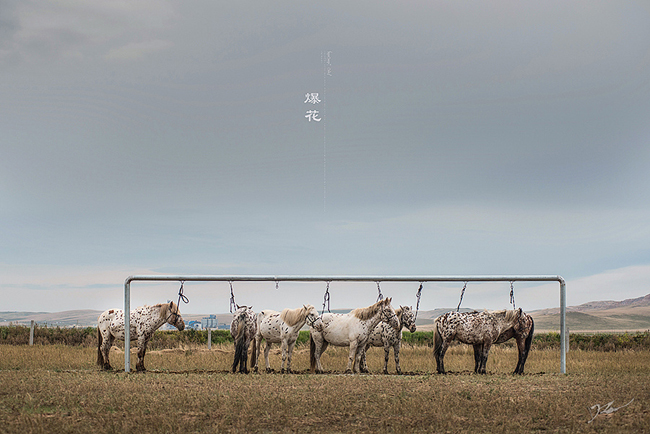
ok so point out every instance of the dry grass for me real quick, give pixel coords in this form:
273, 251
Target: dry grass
59, 389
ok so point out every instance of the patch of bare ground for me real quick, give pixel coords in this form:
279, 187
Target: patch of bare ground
59, 389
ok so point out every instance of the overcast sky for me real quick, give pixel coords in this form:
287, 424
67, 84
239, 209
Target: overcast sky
455, 138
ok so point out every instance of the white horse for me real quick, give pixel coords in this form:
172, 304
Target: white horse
144, 321
352, 329
243, 329
283, 328
385, 336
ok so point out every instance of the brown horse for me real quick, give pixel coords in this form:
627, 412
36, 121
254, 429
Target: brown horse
481, 330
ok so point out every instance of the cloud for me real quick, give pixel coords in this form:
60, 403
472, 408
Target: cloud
75, 28
137, 50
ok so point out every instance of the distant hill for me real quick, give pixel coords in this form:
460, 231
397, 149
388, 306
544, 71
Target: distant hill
628, 315
595, 316
81, 318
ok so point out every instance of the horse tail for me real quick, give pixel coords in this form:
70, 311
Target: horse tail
312, 353
529, 339
437, 339
100, 356
254, 352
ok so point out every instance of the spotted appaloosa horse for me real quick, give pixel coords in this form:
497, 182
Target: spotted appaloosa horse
243, 329
482, 329
144, 321
386, 336
352, 329
283, 328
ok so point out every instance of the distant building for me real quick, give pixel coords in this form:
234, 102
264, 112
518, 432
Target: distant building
209, 322
196, 325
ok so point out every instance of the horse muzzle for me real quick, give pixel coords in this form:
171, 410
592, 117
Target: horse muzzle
180, 325
412, 328
318, 325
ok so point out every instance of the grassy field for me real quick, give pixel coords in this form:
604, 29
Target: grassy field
54, 388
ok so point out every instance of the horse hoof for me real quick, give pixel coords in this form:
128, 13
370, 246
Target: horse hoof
348, 371
269, 371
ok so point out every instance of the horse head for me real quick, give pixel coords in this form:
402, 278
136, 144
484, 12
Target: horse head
313, 318
388, 314
174, 316
408, 318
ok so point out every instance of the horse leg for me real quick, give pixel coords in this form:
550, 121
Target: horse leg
352, 357
107, 343
283, 347
484, 357
364, 364
244, 358
478, 351
396, 349
289, 354
258, 344
142, 349
359, 353
523, 355
439, 353
267, 349
386, 356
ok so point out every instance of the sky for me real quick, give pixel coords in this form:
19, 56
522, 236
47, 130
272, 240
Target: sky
322, 138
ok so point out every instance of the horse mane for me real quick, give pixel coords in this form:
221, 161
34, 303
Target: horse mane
508, 315
293, 316
164, 309
365, 313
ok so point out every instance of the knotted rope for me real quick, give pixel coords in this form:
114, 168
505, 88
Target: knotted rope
232, 299
380, 296
326, 298
417, 306
462, 293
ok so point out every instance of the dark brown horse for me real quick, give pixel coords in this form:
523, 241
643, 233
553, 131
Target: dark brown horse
481, 330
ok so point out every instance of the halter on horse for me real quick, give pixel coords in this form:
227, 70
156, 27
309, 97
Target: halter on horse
481, 330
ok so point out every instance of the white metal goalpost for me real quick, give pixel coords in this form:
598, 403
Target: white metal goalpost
378, 279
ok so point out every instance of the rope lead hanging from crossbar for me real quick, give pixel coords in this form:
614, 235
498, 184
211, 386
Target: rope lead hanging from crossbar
182, 296
462, 293
232, 299
512, 294
380, 296
326, 298
417, 306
